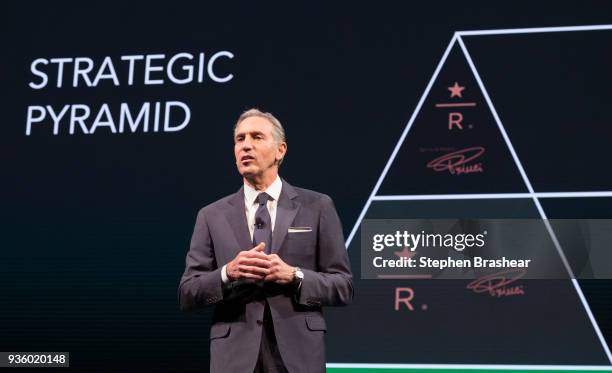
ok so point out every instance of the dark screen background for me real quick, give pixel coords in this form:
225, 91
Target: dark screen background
95, 228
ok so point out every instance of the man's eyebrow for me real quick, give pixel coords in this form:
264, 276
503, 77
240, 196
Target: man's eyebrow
252, 133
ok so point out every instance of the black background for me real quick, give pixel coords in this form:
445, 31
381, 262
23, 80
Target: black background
95, 227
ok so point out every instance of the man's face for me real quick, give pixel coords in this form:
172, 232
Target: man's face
255, 148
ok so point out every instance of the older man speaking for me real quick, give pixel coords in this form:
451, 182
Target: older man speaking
269, 257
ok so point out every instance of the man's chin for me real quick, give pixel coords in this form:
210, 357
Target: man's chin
247, 172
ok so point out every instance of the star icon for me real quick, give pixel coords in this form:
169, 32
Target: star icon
456, 90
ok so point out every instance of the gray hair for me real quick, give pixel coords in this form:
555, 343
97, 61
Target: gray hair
277, 128
278, 132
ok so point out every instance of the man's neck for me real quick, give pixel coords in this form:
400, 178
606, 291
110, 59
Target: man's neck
262, 182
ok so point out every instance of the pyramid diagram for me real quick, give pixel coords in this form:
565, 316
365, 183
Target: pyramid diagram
454, 159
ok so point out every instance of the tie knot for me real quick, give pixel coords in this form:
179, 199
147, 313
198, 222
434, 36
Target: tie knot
262, 198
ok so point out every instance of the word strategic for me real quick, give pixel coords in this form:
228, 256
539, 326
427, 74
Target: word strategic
54, 75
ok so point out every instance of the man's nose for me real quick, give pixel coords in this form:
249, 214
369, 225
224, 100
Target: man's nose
246, 144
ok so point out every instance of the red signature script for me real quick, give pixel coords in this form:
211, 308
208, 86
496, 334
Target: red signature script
457, 162
496, 284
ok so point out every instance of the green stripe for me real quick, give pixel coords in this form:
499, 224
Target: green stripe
381, 370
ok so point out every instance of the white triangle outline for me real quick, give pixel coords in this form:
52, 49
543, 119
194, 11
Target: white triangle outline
457, 38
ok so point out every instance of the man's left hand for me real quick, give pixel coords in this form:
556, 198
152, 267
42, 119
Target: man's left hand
280, 272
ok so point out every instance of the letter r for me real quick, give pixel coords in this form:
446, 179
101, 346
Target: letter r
455, 118
406, 300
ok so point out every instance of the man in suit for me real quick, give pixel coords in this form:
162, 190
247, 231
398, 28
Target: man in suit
269, 257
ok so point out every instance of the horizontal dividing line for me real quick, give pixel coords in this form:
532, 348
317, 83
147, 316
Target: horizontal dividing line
427, 197
403, 277
534, 30
457, 104
573, 368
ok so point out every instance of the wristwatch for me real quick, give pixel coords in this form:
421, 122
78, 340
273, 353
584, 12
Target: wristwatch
298, 275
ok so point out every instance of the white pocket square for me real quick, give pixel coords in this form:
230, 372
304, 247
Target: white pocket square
299, 229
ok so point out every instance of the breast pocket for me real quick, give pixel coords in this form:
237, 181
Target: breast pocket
301, 239
300, 248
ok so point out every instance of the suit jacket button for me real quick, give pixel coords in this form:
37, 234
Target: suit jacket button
259, 322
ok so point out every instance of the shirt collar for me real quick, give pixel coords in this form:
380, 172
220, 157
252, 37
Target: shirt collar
274, 191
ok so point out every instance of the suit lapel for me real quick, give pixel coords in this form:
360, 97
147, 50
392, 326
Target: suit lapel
286, 210
236, 217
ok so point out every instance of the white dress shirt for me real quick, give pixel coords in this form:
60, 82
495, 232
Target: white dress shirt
250, 207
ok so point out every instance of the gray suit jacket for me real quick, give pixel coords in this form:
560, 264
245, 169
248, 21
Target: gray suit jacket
220, 233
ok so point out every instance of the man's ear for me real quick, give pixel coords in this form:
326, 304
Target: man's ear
281, 151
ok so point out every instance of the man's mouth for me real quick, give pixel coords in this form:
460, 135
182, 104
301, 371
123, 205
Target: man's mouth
246, 159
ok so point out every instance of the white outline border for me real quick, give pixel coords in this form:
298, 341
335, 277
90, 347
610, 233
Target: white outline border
457, 37
534, 30
428, 197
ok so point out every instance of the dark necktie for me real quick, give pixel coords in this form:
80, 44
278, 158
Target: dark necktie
263, 223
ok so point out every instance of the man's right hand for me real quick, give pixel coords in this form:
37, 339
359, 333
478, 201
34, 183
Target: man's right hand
250, 264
